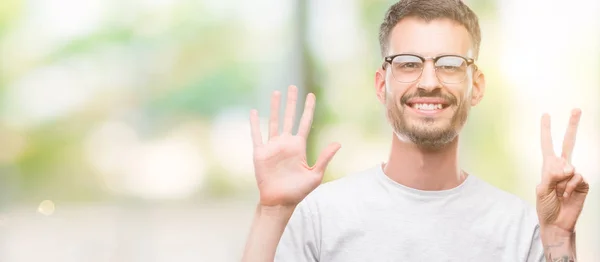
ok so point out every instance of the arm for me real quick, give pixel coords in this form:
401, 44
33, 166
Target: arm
559, 245
283, 176
560, 195
267, 229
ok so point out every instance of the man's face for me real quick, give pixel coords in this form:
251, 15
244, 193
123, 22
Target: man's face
428, 111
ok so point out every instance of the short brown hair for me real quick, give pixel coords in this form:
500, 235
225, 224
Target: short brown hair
429, 10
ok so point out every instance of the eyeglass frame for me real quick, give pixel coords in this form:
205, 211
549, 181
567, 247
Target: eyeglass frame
434, 59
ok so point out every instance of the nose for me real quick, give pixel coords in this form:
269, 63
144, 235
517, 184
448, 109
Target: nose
429, 80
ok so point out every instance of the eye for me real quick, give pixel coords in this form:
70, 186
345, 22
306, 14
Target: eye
451, 64
449, 68
410, 65
407, 63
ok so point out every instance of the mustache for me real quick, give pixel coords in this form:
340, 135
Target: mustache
436, 93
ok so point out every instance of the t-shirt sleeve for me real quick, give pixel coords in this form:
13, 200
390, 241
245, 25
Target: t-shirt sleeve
300, 241
536, 250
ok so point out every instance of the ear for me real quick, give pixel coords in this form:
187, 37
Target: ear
380, 85
478, 87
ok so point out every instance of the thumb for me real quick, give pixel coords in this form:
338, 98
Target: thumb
325, 157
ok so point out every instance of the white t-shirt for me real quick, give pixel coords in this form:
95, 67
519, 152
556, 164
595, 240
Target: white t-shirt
369, 217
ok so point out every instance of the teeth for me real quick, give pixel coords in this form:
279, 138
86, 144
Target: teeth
427, 106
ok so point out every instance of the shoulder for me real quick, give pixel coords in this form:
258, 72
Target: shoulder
507, 203
346, 189
348, 185
492, 192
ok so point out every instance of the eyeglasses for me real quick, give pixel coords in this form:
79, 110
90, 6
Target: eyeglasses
449, 69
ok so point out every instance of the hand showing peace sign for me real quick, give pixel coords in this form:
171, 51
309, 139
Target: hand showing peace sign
284, 177
562, 191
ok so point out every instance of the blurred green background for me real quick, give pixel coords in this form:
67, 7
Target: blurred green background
124, 124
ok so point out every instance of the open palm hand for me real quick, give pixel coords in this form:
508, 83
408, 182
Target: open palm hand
283, 175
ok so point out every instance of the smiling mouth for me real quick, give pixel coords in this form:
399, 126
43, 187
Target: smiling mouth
428, 106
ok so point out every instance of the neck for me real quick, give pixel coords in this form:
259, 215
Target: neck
422, 169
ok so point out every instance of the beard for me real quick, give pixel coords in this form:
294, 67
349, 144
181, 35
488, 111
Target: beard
430, 133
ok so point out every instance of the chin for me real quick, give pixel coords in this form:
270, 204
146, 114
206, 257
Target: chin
429, 124
430, 132
431, 141
434, 135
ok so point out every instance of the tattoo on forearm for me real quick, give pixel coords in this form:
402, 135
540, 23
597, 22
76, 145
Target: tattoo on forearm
554, 258
560, 259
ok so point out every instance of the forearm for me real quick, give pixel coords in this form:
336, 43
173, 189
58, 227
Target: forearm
559, 245
267, 229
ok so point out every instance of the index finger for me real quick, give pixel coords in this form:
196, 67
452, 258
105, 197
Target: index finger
569, 140
255, 128
546, 136
307, 116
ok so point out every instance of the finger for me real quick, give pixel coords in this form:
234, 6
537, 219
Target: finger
567, 170
556, 172
255, 128
325, 157
290, 109
307, 116
569, 141
274, 120
546, 136
561, 187
575, 181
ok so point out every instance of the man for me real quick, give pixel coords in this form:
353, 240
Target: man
419, 205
